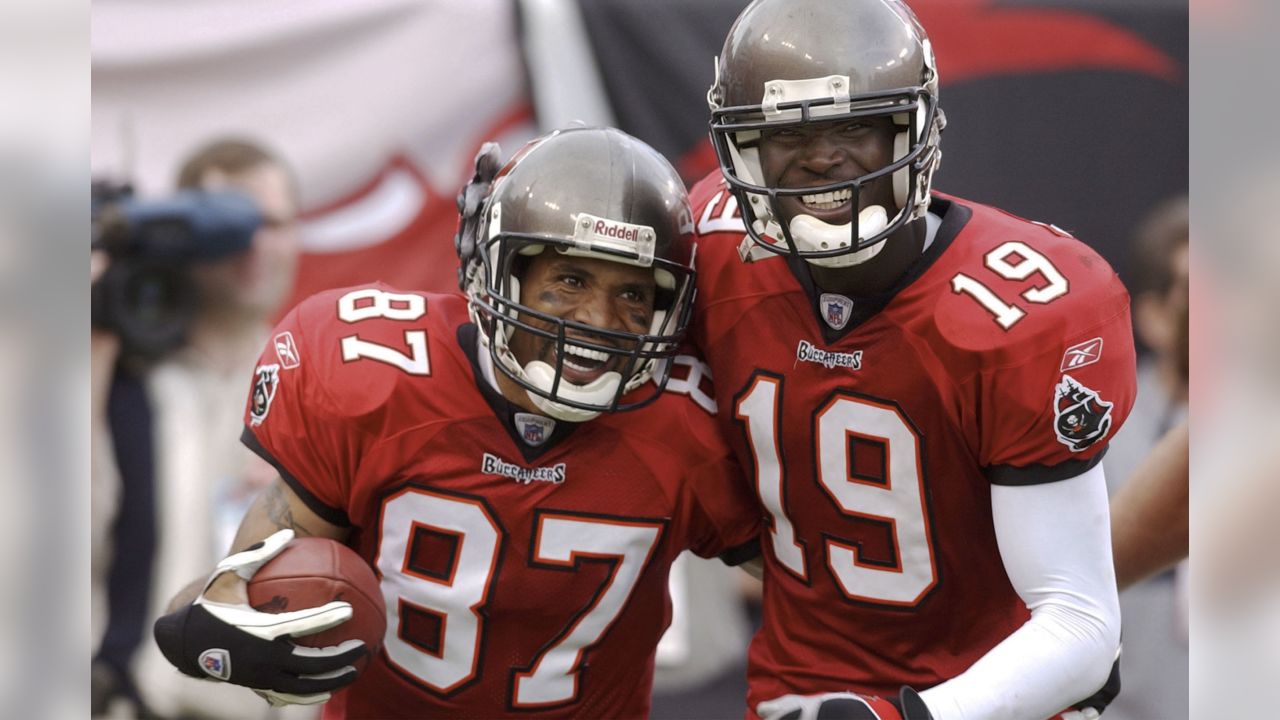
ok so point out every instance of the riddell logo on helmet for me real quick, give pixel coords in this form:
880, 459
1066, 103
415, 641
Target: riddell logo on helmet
595, 232
621, 231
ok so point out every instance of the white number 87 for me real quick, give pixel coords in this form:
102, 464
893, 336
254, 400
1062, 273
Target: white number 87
369, 303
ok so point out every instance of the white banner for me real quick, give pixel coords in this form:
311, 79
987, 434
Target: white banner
378, 106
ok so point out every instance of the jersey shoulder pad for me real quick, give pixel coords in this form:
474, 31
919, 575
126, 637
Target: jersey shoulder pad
715, 211
691, 381
677, 430
724, 270
1014, 285
365, 348
705, 190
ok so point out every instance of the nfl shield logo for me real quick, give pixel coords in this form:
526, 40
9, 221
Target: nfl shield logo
836, 310
216, 662
533, 434
534, 429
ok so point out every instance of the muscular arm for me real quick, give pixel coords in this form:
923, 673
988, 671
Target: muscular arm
1149, 515
278, 507
1055, 542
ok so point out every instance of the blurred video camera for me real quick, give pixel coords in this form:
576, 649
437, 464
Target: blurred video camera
146, 296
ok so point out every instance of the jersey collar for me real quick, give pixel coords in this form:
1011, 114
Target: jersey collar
945, 220
533, 434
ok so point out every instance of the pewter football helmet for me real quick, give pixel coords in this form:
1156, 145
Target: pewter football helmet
793, 62
587, 192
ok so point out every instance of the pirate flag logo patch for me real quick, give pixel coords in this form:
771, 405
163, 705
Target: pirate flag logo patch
1080, 416
265, 382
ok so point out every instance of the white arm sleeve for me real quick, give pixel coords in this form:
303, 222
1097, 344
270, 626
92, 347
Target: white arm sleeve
1055, 541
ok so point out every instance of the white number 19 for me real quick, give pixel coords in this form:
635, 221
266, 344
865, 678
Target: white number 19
1029, 262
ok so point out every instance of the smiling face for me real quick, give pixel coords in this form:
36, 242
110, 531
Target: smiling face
590, 291
818, 154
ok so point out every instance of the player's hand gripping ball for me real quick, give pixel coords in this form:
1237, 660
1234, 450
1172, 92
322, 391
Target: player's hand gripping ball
310, 572
322, 615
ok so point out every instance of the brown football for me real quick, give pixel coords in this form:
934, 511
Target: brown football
313, 571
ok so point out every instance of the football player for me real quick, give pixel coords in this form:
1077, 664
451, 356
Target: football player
472, 449
921, 386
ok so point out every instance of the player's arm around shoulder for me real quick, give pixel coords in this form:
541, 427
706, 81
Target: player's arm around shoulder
724, 515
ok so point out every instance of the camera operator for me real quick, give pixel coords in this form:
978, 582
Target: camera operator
183, 296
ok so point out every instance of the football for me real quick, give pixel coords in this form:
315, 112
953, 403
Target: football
310, 572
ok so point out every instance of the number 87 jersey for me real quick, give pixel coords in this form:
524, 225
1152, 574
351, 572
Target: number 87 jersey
873, 431
523, 562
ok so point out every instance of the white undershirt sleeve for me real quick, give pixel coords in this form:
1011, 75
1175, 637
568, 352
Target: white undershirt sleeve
1055, 541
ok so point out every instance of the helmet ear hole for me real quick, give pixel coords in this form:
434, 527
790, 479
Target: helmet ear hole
663, 299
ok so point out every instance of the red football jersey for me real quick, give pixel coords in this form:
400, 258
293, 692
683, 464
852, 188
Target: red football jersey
874, 429
523, 561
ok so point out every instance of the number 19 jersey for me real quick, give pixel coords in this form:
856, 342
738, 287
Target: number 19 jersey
523, 561
874, 429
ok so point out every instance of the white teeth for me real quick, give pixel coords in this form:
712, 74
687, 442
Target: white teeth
828, 200
596, 357
586, 353
576, 366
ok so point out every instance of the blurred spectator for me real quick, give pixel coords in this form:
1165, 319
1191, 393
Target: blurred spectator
1154, 665
182, 415
1150, 529
1236, 579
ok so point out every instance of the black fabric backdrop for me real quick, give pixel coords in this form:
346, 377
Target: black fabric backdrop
1070, 112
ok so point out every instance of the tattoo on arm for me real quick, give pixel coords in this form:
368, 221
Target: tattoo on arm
282, 515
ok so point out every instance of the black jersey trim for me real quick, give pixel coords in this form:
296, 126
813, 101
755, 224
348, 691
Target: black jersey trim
467, 336
1040, 474
745, 552
954, 218
331, 515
